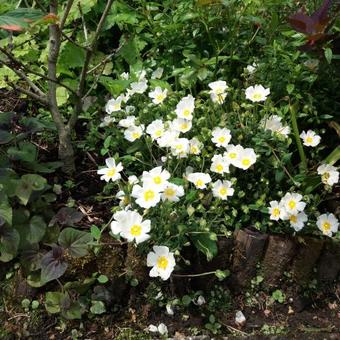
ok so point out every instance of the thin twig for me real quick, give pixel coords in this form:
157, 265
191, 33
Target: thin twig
29, 93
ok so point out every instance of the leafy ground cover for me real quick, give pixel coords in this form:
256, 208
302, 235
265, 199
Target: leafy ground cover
169, 168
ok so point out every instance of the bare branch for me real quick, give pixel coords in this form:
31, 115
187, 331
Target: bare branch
29, 93
89, 52
66, 13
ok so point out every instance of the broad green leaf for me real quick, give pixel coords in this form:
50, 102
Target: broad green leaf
72, 56
115, 87
205, 244
54, 300
26, 152
75, 241
9, 242
5, 209
98, 307
34, 231
28, 184
5, 137
62, 96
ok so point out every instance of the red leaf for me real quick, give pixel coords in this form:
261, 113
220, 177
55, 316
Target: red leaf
15, 28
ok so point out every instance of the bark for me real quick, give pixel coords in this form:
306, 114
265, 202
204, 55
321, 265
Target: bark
306, 258
279, 254
66, 152
249, 246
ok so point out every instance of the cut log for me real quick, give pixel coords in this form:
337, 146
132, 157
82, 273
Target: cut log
329, 262
306, 258
279, 254
248, 251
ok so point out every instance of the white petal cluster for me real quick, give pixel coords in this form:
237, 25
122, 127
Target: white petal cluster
329, 174
186, 107
162, 262
158, 95
257, 93
218, 91
274, 124
328, 224
310, 138
112, 170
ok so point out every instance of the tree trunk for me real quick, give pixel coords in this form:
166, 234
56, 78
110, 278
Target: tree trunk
66, 152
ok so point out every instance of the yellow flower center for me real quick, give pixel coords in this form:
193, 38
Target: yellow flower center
136, 230
257, 96
169, 192
292, 204
179, 147
245, 162
221, 139
135, 135
219, 168
111, 172
232, 155
116, 107
223, 191
326, 226
325, 176
309, 140
157, 180
276, 212
199, 183
193, 149
149, 195
160, 97
162, 262
158, 133
293, 218
186, 112
184, 126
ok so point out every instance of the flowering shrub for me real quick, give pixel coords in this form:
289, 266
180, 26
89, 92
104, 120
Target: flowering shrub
194, 168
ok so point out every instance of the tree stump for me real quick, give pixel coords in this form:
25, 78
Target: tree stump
307, 255
279, 254
248, 251
329, 262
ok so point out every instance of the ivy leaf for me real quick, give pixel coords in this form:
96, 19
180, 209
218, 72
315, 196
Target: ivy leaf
53, 264
28, 184
75, 241
205, 244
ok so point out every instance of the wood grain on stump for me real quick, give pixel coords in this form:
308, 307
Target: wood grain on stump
329, 262
306, 258
279, 254
248, 251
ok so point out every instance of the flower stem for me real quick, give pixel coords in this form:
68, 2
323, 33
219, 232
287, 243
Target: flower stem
292, 109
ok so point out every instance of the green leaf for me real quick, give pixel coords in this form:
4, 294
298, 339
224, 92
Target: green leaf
9, 242
95, 232
5, 208
28, 184
5, 137
205, 244
130, 52
328, 55
98, 307
72, 56
75, 241
102, 279
26, 152
115, 87
53, 301
222, 274
62, 96
34, 231
19, 19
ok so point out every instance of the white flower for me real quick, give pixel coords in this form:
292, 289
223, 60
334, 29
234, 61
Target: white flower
218, 91
199, 179
155, 129
132, 179
139, 87
195, 146
246, 159
124, 200
251, 68
133, 132
156, 177
273, 123
158, 95
257, 93
180, 147
329, 174
131, 226
297, 221
219, 164
276, 211
172, 192
127, 122
107, 121
125, 75
113, 105
146, 196
310, 138
292, 204
162, 261
112, 172
156, 74
222, 189
181, 125
328, 224
200, 301
186, 107
233, 153
168, 138
221, 136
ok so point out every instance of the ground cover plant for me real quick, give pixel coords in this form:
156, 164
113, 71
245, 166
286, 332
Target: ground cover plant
169, 167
